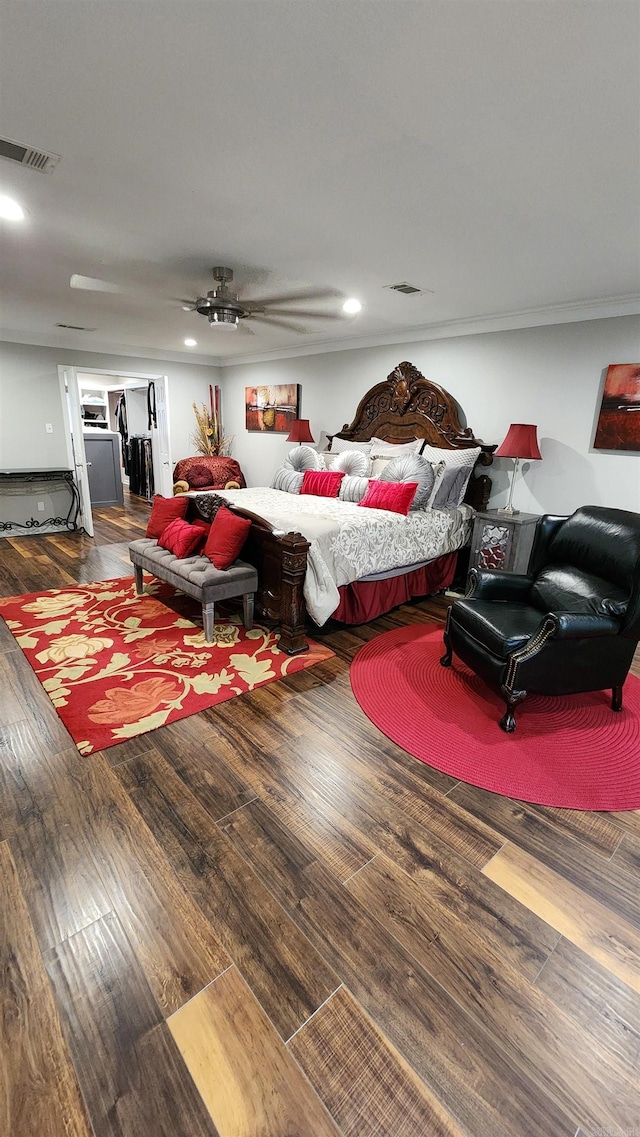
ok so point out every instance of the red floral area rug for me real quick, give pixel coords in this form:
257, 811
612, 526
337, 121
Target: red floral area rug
116, 665
571, 751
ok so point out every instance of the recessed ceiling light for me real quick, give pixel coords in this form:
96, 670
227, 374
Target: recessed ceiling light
10, 210
190, 343
351, 307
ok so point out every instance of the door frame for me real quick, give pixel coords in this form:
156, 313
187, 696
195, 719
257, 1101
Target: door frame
68, 380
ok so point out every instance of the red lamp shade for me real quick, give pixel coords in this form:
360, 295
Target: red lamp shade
521, 442
300, 431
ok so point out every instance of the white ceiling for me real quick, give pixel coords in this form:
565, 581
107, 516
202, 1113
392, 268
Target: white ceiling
487, 150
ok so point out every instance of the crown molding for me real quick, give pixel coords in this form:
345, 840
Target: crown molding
65, 343
603, 308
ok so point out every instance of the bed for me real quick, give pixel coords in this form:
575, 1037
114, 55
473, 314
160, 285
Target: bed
315, 556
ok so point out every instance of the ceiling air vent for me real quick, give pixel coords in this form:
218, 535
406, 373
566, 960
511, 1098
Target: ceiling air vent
75, 328
406, 289
27, 156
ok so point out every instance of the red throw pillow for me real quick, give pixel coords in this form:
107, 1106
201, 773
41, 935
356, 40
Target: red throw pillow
322, 483
180, 538
204, 527
199, 476
395, 496
227, 535
164, 510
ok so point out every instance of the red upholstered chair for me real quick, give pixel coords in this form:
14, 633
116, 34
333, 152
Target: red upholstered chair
221, 472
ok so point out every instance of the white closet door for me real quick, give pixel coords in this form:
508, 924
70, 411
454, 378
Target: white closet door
162, 473
75, 438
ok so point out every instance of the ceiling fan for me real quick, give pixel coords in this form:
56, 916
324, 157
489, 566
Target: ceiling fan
224, 309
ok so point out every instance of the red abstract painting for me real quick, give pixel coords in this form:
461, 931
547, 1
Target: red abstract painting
619, 422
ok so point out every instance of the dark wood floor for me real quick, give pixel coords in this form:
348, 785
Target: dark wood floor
267, 920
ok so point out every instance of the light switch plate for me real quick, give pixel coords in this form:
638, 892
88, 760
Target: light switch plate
48, 426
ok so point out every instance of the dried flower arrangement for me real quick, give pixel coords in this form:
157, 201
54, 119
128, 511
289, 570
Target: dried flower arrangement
208, 437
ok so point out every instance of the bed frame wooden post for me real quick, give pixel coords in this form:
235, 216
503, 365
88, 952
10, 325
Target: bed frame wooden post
292, 618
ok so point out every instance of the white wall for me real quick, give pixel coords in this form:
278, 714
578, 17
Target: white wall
551, 376
30, 397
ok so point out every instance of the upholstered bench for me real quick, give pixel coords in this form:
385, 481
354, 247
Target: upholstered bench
198, 578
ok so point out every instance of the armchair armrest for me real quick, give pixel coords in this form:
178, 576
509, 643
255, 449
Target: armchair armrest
578, 626
498, 585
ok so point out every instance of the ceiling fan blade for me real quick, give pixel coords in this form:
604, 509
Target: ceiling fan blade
305, 313
303, 294
93, 284
276, 322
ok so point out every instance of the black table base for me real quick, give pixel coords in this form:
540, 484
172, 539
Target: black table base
54, 479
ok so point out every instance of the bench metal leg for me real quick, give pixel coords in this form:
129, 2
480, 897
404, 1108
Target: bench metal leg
247, 610
139, 583
208, 621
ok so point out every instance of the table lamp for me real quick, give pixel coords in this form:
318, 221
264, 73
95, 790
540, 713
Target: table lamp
300, 431
521, 442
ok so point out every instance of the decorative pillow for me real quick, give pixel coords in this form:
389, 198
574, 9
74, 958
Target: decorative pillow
339, 445
303, 458
395, 496
164, 510
180, 538
382, 449
354, 463
227, 535
411, 468
287, 479
200, 476
449, 487
181, 487
378, 465
353, 489
204, 527
322, 483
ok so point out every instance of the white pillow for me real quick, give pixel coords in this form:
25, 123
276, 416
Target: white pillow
303, 458
450, 485
353, 488
290, 481
412, 468
382, 449
355, 463
340, 444
378, 465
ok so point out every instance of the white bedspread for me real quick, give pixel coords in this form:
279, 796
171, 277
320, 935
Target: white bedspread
349, 541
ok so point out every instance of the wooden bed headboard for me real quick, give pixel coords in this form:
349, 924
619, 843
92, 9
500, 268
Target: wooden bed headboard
407, 406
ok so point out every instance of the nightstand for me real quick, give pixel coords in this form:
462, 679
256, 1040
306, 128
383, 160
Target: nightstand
502, 542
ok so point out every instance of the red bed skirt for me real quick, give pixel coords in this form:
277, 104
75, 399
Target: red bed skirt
365, 599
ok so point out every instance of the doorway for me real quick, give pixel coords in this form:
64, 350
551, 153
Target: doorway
117, 434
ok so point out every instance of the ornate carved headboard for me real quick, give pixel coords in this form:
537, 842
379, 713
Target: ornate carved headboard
407, 406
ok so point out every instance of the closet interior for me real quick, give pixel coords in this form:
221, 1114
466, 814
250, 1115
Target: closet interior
119, 419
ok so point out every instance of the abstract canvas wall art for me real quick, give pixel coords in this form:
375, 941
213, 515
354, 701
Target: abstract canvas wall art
619, 421
272, 408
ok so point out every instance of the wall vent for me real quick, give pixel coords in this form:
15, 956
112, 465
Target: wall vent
27, 156
75, 328
406, 289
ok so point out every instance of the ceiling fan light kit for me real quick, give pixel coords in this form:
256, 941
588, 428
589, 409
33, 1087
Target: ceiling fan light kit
225, 310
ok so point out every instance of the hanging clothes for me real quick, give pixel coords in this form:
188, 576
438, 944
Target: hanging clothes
151, 406
123, 430
141, 466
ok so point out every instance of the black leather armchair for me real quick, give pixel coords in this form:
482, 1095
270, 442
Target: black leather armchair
571, 624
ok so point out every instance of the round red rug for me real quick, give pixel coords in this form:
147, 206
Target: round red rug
570, 751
